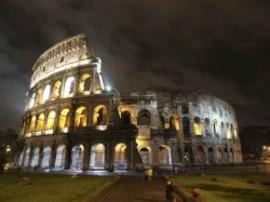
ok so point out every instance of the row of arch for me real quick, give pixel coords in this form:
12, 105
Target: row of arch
211, 155
217, 129
42, 122
66, 88
42, 158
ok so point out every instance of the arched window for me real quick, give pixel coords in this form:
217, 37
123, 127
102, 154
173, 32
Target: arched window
56, 89
81, 117
69, 87
33, 123
46, 93
126, 117
45, 163
100, 115
197, 127
40, 122
97, 157
186, 126
50, 120
85, 84
38, 97
120, 156
144, 118
174, 123
207, 127
64, 120
60, 157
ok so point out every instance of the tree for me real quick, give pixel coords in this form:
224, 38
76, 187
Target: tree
7, 138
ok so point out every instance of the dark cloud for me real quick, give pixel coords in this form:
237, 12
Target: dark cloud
216, 47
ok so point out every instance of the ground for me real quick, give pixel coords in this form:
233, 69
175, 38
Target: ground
233, 188
136, 189
54, 188
41, 188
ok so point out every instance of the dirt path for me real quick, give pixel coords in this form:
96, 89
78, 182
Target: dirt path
131, 189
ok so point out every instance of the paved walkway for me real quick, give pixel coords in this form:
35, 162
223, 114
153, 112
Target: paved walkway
135, 189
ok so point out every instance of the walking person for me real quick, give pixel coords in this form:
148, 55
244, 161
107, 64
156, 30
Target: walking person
170, 192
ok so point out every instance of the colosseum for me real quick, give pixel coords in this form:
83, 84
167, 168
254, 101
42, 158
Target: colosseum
72, 122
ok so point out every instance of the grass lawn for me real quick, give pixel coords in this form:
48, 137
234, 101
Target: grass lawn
222, 188
50, 188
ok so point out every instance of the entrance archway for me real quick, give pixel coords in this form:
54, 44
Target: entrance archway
164, 155
60, 157
97, 157
77, 157
45, 163
120, 157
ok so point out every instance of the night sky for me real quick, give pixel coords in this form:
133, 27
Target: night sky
219, 47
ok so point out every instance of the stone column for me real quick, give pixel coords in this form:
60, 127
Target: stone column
40, 155
68, 154
86, 156
132, 150
53, 155
109, 157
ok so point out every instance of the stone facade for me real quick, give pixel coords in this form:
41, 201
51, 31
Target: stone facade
72, 122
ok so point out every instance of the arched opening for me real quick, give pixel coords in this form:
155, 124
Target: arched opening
186, 126
126, 118
69, 87
228, 132
231, 154
100, 115
40, 122
219, 155
120, 156
200, 155
64, 120
222, 130
207, 127
174, 123
56, 89
226, 155
97, 157
197, 127
38, 97
60, 157
46, 93
33, 123
50, 120
32, 101
81, 117
77, 157
188, 154
211, 158
215, 126
163, 124
45, 163
27, 157
164, 155
85, 84
144, 118
35, 158
145, 155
